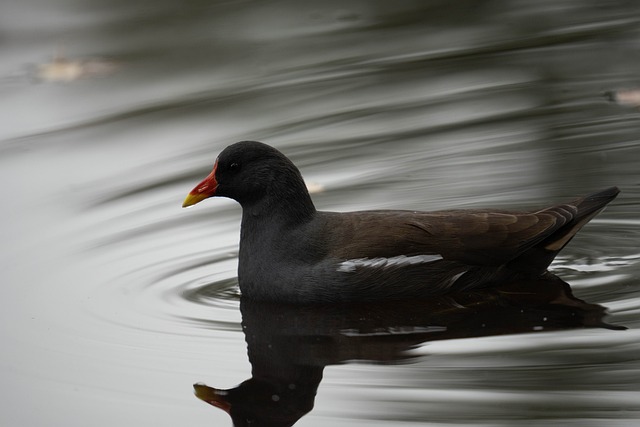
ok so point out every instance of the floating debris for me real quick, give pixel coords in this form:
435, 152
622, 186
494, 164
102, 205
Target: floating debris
62, 69
314, 187
626, 97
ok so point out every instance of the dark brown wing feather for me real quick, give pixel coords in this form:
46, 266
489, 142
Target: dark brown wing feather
470, 237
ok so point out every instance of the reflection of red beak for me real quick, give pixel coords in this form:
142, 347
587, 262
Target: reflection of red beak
212, 396
204, 190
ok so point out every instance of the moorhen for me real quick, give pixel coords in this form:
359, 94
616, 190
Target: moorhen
290, 252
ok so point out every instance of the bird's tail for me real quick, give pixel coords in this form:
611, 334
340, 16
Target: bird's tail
586, 208
575, 215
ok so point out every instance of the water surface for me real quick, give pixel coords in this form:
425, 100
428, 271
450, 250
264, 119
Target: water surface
115, 300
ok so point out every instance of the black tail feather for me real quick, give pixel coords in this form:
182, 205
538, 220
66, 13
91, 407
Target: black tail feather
586, 208
578, 213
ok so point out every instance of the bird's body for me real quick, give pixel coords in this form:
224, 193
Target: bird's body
291, 252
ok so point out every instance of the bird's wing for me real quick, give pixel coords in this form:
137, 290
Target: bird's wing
472, 237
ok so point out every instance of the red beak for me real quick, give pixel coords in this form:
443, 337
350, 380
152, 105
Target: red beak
204, 190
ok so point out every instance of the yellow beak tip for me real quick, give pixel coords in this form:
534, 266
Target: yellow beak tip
192, 199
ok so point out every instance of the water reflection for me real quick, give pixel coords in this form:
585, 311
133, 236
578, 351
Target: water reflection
289, 346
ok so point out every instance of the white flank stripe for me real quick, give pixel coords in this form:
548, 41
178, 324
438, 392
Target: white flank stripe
350, 265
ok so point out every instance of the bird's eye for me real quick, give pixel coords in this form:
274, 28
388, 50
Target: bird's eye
234, 167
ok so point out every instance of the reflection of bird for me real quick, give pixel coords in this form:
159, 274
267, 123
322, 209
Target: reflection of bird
290, 345
291, 252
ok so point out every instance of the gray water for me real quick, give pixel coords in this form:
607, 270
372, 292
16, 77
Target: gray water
114, 300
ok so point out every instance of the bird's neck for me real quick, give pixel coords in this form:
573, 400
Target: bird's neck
287, 205
266, 240
281, 211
